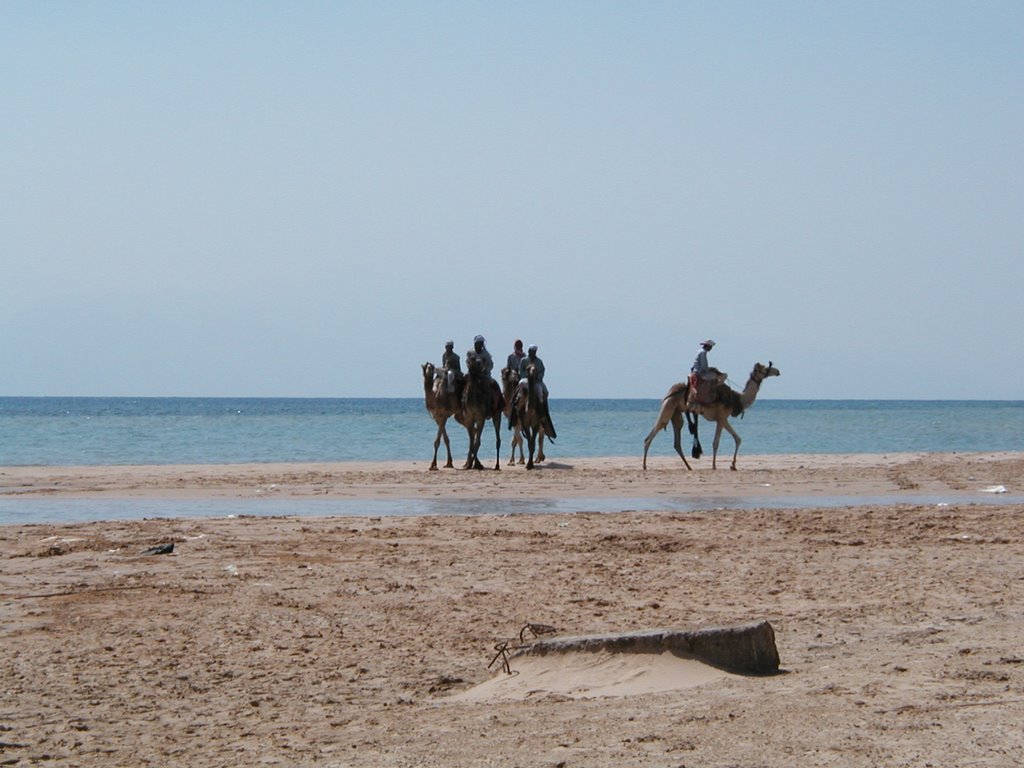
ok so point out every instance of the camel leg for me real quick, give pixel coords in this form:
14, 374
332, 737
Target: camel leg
540, 446
724, 424
677, 437
658, 426
437, 444
714, 445
477, 440
474, 442
736, 437
442, 434
517, 440
497, 441
668, 413
531, 442
447, 449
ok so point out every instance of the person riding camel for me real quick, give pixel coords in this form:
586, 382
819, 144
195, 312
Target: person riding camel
452, 366
538, 364
515, 356
479, 352
541, 389
703, 377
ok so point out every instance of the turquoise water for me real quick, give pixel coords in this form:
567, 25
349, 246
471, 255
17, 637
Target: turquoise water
106, 431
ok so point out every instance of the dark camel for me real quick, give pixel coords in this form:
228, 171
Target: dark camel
481, 402
673, 407
441, 405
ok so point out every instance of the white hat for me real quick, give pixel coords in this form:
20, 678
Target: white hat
478, 338
707, 343
532, 348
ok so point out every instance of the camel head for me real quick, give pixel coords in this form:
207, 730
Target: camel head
509, 377
473, 363
762, 372
428, 372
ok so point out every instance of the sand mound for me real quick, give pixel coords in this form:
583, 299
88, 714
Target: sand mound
592, 675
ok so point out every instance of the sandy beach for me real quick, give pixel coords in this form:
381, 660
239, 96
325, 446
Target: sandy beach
365, 640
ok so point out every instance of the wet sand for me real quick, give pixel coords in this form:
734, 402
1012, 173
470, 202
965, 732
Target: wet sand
954, 475
361, 640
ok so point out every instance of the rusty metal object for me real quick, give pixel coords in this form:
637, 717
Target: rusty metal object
502, 653
505, 648
537, 630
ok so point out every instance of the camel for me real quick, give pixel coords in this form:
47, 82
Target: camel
510, 380
530, 415
481, 402
441, 405
673, 407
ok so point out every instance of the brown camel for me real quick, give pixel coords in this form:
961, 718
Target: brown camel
510, 381
531, 415
673, 407
441, 405
481, 402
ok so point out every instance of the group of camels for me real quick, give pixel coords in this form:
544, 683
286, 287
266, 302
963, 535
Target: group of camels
481, 401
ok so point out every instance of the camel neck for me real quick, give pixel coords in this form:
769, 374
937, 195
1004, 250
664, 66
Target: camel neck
750, 392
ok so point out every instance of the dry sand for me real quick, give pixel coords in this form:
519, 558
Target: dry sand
365, 641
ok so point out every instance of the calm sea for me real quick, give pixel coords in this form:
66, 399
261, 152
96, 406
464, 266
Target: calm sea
110, 431
63, 431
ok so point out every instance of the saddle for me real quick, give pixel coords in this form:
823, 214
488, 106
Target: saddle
707, 391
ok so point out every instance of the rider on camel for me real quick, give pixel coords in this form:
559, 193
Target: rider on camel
451, 365
703, 377
541, 390
486, 361
479, 352
515, 356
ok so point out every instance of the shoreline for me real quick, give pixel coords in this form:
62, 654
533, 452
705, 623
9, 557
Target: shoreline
84, 494
769, 475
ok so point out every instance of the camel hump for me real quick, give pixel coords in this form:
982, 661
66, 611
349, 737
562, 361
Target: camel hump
675, 389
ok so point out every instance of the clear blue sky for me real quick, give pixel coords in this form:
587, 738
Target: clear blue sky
309, 198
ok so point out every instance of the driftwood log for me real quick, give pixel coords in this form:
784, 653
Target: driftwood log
749, 648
